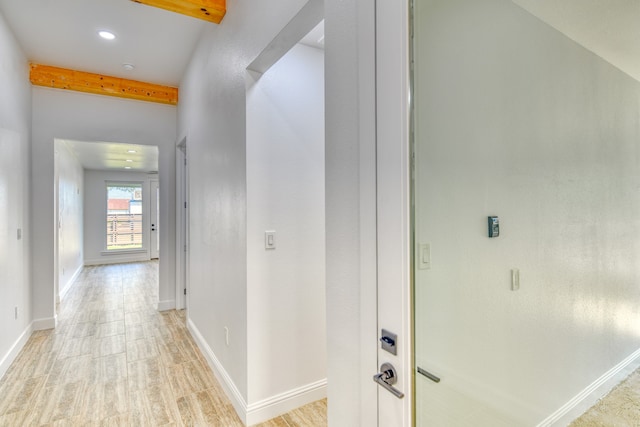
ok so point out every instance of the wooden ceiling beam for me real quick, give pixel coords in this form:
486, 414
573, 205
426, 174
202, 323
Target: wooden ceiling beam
209, 10
62, 78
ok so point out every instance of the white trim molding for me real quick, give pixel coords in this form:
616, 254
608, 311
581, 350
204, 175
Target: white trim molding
69, 284
11, 355
118, 259
166, 305
44, 323
263, 410
282, 403
592, 393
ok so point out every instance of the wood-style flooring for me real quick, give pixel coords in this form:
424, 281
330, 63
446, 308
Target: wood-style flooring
619, 408
114, 360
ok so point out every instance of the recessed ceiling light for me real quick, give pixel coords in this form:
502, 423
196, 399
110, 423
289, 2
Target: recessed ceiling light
131, 151
129, 160
128, 67
107, 35
127, 167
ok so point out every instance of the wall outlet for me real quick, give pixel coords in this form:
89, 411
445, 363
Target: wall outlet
226, 336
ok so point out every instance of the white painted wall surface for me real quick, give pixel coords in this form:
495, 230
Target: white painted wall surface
70, 178
212, 115
93, 118
15, 135
285, 193
519, 121
95, 216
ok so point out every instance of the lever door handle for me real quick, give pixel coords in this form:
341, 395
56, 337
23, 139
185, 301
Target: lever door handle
387, 378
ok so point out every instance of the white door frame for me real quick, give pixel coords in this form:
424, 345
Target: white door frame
393, 194
182, 225
154, 217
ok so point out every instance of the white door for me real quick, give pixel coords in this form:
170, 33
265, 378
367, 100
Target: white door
394, 267
154, 219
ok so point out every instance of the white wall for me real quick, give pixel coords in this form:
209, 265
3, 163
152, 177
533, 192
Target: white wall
15, 129
95, 216
70, 179
285, 193
519, 121
93, 118
212, 115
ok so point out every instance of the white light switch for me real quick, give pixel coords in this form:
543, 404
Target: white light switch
424, 256
269, 239
19, 234
515, 279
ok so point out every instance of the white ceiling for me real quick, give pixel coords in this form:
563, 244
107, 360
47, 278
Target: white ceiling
159, 43
63, 33
114, 156
608, 28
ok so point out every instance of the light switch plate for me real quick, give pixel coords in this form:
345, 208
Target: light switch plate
270, 239
424, 256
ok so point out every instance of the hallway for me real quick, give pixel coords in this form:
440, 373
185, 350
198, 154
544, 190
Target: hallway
114, 360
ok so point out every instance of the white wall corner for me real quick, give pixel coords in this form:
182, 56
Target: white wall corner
11, 355
229, 387
65, 289
44, 323
584, 400
282, 403
166, 305
265, 409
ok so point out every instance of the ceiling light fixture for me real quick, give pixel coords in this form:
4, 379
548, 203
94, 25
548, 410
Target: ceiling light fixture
127, 167
129, 160
131, 151
107, 35
128, 67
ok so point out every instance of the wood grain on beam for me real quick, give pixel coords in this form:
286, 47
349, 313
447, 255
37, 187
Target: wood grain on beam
62, 78
209, 10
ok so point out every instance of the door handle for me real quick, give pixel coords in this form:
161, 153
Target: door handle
387, 378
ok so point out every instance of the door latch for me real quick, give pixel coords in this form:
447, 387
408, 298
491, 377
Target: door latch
388, 341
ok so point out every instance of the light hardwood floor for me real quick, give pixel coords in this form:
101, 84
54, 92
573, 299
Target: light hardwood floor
619, 408
114, 360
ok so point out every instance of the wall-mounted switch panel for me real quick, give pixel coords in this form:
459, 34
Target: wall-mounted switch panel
515, 279
269, 239
494, 226
424, 256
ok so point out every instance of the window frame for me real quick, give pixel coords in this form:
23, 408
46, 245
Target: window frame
105, 236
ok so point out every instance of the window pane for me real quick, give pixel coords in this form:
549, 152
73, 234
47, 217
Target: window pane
124, 216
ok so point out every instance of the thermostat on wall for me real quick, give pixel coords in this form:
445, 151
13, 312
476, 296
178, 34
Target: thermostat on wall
494, 226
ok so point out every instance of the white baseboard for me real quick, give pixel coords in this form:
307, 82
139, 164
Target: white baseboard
238, 402
169, 304
11, 355
117, 259
282, 403
265, 409
42, 324
68, 285
592, 393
